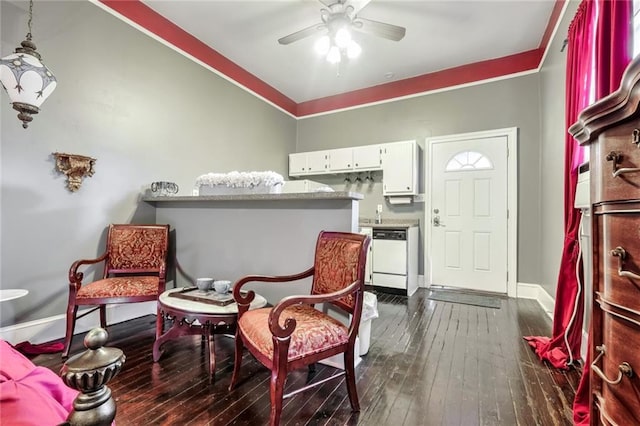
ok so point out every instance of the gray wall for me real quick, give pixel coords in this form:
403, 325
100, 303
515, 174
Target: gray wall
553, 131
145, 112
512, 102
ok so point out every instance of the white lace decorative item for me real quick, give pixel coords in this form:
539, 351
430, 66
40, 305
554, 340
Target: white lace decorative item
240, 183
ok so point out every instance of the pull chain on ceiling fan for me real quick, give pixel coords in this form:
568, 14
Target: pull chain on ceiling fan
337, 21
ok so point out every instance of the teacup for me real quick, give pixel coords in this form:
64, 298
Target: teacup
222, 286
204, 284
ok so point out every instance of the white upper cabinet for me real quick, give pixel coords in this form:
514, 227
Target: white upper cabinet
397, 160
399, 168
366, 157
341, 160
318, 162
298, 164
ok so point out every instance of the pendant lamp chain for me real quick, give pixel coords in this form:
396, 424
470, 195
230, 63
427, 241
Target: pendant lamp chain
30, 19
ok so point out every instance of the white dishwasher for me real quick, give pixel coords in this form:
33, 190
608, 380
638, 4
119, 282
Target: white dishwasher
395, 259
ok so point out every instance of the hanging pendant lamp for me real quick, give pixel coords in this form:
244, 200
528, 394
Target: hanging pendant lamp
26, 79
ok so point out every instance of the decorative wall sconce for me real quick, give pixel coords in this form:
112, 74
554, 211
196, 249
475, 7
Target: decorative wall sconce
26, 79
75, 167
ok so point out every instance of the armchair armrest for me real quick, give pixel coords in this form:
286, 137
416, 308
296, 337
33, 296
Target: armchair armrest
75, 277
290, 323
246, 299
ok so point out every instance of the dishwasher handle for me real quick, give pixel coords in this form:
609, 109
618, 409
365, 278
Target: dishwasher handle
390, 234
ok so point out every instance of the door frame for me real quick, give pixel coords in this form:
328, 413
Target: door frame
511, 133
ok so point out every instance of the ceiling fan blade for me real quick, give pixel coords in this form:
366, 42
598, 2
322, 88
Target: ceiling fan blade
380, 29
358, 5
329, 2
299, 35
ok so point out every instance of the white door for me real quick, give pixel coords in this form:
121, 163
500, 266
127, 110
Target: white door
468, 217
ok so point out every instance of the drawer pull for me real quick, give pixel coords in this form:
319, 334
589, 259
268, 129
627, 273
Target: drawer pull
636, 137
621, 254
624, 369
616, 158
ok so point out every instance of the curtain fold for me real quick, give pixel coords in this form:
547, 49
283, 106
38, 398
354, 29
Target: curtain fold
599, 42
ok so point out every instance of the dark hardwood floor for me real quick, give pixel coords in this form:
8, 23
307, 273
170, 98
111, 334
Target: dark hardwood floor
429, 363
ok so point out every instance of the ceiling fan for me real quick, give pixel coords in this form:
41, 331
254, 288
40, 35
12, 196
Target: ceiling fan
342, 14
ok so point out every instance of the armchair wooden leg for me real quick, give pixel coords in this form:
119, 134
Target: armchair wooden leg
350, 378
237, 361
278, 377
103, 316
159, 323
72, 311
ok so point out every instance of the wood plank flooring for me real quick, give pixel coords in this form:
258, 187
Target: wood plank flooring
429, 363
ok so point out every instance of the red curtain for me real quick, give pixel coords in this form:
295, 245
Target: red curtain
598, 52
567, 326
614, 34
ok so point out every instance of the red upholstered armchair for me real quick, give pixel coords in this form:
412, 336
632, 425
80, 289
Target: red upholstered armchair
294, 334
134, 271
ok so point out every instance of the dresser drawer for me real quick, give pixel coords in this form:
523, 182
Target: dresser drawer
615, 161
622, 404
619, 254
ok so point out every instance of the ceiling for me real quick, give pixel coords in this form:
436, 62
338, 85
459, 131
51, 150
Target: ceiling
447, 43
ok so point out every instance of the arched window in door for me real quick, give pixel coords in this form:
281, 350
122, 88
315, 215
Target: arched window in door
468, 160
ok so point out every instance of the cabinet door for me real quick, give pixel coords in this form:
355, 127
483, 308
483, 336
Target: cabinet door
341, 160
367, 157
318, 162
298, 164
399, 168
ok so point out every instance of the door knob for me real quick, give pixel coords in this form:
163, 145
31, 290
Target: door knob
436, 221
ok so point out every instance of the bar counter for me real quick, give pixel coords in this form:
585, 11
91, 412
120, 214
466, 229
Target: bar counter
229, 236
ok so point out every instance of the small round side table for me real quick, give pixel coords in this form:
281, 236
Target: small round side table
12, 293
191, 317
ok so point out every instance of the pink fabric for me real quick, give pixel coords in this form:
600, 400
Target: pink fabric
31, 395
314, 331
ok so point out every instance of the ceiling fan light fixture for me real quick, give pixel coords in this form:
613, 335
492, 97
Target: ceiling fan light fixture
322, 45
342, 38
334, 55
353, 50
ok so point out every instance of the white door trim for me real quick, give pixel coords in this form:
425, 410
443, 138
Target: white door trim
511, 134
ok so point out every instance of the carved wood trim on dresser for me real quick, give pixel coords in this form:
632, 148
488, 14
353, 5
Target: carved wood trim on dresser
611, 129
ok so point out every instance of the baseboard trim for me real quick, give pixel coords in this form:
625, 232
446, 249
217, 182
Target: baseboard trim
537, 292
53, 328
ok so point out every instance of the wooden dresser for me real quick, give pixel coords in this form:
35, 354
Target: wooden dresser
611, 129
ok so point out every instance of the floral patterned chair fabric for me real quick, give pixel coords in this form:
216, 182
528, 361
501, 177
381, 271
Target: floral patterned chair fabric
294, 334
134, 271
